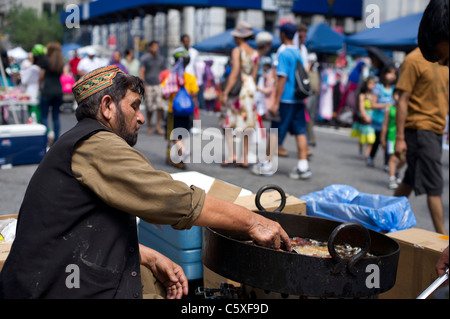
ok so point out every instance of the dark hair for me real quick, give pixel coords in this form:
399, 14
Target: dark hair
184, 36
153, 42
386, 69
88, 108
433, 28
364, 88
302, 27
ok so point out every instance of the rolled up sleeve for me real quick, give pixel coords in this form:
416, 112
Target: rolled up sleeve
124, 179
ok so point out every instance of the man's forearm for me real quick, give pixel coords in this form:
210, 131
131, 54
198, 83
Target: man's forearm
280, 88
217, 213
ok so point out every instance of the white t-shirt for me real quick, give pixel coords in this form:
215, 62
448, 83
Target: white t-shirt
30, 78
86, 64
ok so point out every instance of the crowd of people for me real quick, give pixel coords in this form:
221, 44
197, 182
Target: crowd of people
256, 90
91, 221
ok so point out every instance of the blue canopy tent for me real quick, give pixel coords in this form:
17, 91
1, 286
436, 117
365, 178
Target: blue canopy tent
399, 34
68, 47
224, 42
322, 38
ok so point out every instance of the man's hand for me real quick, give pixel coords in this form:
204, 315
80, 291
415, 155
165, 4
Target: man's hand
218, 213
400, 148
442, 263
166, 271
273, 110
269, 233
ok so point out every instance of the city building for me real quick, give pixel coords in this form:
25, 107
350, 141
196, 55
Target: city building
134, 23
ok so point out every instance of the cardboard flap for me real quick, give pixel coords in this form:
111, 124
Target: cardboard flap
421, 238
224, 191
271, 201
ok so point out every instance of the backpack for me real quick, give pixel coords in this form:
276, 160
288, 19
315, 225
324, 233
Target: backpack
302, 83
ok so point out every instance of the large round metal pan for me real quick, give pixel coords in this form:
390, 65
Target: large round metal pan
231, 255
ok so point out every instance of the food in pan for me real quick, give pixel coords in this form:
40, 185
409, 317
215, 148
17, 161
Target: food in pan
315, 248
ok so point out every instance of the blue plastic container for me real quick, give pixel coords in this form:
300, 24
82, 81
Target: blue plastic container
183, 247
22, 144
181, 239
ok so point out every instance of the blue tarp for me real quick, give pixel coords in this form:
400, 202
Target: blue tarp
224, 42
399, 34
346, 204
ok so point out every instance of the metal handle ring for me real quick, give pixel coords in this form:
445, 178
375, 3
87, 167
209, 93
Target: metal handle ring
265, 188
341, 262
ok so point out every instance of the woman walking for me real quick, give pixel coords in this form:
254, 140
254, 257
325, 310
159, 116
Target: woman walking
49, 80
241, 109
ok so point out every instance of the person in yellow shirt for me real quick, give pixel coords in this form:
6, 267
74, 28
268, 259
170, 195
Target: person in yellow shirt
171, 85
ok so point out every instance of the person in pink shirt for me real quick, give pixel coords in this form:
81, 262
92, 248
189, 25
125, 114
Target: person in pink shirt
67, 81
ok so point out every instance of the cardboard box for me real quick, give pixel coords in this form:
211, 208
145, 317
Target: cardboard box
419, 252
271, 200
5, 247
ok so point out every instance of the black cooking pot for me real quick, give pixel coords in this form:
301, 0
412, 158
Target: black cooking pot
232, 255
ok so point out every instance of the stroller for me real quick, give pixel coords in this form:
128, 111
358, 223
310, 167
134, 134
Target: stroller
68, 103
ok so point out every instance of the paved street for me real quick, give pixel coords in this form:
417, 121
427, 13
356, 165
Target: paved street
335, 161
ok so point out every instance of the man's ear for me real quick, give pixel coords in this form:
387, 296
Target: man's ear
106, 107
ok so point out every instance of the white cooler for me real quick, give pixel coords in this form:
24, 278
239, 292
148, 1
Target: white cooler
22, 143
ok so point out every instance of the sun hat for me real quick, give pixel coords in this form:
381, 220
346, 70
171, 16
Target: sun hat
242, 30
94, 81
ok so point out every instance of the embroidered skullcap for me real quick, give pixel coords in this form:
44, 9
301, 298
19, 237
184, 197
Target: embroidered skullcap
94, 81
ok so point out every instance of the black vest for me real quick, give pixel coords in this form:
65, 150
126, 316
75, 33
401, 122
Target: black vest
66, 235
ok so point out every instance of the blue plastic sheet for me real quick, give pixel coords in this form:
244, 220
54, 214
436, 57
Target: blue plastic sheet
182, 103
346, 204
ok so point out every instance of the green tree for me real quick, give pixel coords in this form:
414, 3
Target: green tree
26, 28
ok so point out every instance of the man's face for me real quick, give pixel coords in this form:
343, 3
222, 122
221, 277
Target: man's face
154, 48
129, 118
186, 42
442, 52
302, 36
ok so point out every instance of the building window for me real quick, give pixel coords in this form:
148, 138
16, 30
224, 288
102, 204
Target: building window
59, 7
47, 8
230, 20
270, 19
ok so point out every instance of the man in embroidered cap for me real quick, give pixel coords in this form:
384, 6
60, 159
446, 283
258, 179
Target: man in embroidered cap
76, 233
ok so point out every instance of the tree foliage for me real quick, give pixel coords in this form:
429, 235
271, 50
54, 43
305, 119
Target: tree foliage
26, 28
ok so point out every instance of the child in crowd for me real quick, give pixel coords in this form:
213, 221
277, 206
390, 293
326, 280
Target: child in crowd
265, 88
383, 98
361, 127
387, 140
67, 80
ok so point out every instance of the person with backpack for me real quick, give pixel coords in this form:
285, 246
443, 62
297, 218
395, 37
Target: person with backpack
289, 107
179, 80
